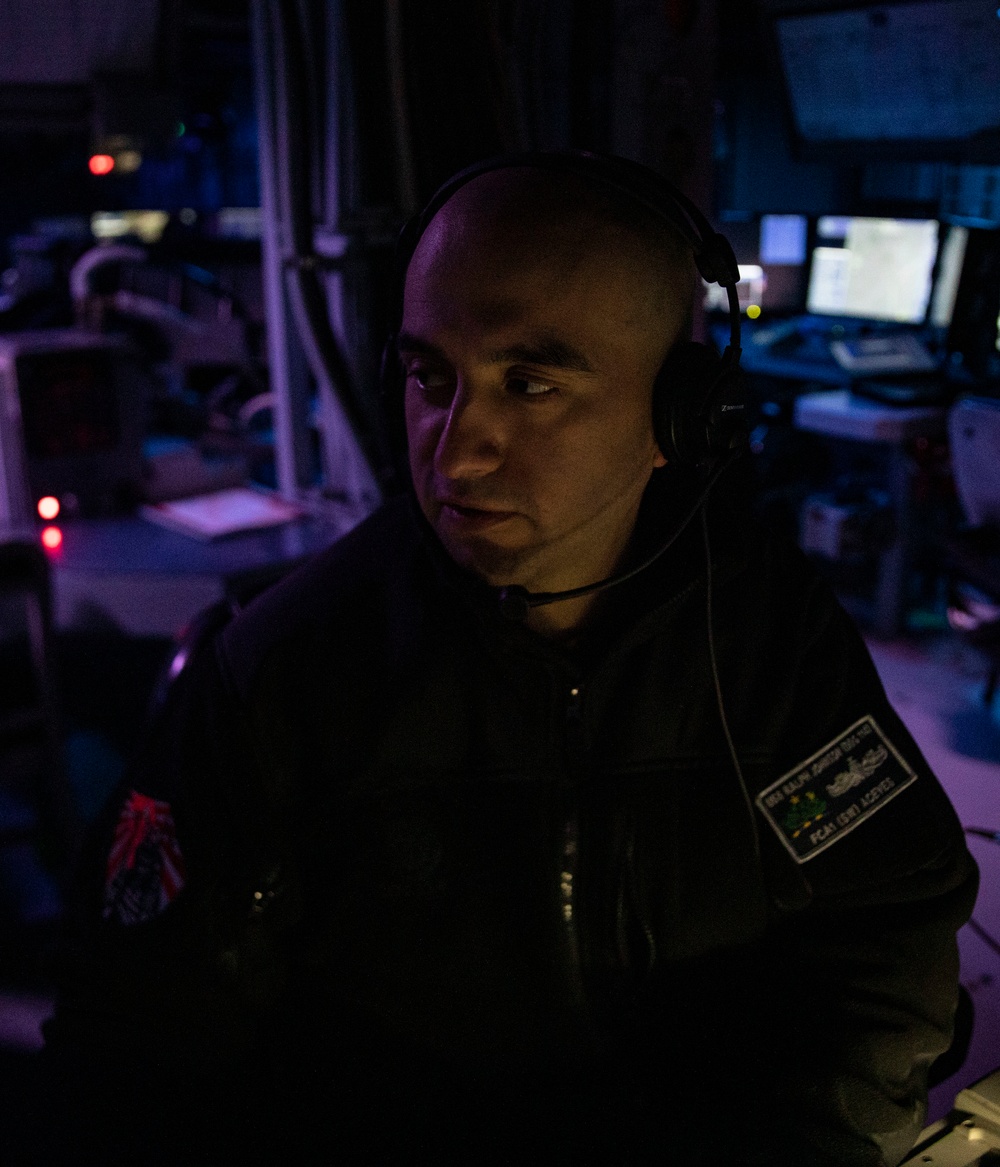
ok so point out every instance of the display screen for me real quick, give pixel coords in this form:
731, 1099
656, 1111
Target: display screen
897, 72
875, 269
145, 225
69, 403
783, 239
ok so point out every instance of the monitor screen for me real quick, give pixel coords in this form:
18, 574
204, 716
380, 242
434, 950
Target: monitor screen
783, 239
875, 269
893, 72
145, 225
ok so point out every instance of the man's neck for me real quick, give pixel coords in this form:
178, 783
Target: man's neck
564, 620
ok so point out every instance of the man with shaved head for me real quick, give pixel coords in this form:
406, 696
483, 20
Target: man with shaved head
440, 854
534, 325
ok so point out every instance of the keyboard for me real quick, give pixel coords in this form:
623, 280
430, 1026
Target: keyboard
867, 356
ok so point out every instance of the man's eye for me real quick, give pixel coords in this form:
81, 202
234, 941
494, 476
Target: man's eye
427, 380
525, 387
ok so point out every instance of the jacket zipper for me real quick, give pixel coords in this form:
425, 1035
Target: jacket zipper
574, 749
641, 920
570, 841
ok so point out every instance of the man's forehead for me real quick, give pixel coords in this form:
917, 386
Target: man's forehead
441, 294
501, 259
525, 298
524, 314
495, 282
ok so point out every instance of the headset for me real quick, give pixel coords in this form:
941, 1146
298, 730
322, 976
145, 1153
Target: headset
698, 402
698, 399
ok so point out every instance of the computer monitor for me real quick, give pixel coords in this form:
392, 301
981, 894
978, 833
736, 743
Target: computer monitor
873, 269
783, 239
76, 405
974, 330
951, 260
891, 80
148, 226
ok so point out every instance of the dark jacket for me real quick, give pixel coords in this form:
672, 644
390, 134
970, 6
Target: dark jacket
456, 893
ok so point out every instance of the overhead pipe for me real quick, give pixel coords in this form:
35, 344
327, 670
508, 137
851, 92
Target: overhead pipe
306, 293
282, 59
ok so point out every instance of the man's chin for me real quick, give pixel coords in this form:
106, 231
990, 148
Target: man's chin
494, 564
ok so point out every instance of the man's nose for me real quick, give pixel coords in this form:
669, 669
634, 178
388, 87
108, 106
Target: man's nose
471, 442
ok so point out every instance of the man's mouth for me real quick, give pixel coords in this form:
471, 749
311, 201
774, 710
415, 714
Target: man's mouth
461, 513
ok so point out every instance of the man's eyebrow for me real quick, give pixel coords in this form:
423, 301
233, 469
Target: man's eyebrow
406, 342
547, 351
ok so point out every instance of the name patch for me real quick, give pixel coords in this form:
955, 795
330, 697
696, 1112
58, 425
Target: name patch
829, 794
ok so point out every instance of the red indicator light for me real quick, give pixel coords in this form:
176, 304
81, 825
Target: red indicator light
101, 164
48, 507
52, 538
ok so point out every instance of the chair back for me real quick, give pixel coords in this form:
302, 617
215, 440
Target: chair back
36, 802
974, 435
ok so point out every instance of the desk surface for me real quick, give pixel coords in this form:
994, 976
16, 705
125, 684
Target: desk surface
807, 365
839, 413
803, 349
149, 581
793, 368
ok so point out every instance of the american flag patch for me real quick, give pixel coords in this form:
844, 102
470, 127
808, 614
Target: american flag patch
145, 868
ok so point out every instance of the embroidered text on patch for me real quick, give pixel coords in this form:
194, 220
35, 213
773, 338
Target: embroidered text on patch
145, 869
829, 794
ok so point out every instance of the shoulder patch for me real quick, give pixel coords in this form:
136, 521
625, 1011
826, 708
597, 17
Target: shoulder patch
826, 796
145, 868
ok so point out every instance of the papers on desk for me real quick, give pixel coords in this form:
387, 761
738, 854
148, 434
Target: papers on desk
223, 512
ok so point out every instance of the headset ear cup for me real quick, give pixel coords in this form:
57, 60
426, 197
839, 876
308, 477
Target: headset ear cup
725, 421
682, 388
699, 405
